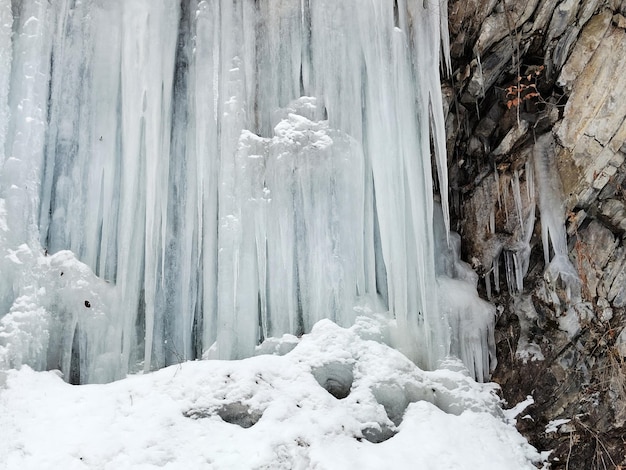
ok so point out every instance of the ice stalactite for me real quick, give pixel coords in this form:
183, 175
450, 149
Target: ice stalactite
471, 319
560, 274
229, 171
558, 266
517, 255
515, 211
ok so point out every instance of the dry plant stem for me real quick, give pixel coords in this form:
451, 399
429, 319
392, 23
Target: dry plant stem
598, 442
569, 453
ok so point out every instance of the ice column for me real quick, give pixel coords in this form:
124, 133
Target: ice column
24, 133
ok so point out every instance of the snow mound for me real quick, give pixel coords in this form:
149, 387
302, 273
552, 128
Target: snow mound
337, 400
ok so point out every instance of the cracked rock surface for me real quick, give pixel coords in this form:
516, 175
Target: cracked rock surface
523, 70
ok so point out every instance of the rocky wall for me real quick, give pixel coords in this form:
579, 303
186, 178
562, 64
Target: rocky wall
552, 72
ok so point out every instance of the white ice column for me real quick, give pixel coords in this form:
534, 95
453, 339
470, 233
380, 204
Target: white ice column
236, 323
396, 139
6, 56
25, 132
204, 85
293, 230
148, 52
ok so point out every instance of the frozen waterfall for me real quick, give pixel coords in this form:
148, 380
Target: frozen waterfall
184, 179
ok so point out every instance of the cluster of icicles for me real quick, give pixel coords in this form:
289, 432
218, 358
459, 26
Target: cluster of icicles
516, 199
184, 180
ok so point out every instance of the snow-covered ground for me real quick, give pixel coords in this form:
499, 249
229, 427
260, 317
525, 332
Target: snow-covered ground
339, 399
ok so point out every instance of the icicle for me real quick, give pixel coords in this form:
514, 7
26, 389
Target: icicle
505, 198
6, 53
6, 26
509, 271
496, 272
445, 36
530, 182
517, 198
522, 254
204, 93
471, 319
552, 215
497, 178
494, 268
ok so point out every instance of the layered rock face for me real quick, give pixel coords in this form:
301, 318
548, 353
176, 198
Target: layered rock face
537, 130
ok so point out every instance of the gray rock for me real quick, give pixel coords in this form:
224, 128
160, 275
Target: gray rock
614, 211
512, 137
594, 248
562, 18
617, 293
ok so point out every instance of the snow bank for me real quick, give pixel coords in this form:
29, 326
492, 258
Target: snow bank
267, 412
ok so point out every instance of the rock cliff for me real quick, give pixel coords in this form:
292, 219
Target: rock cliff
536, 122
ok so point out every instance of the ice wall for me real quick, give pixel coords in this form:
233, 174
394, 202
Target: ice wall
229, 171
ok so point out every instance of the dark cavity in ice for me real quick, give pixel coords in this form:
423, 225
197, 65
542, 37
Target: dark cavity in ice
378, 434
234, 413
335, 377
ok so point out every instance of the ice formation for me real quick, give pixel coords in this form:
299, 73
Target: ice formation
516, 199
560, 273
558, 265
222, 172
